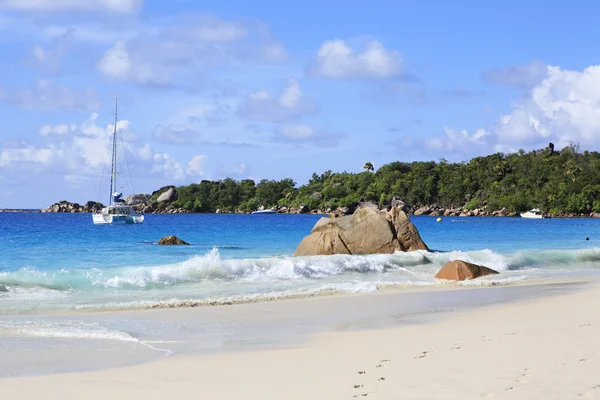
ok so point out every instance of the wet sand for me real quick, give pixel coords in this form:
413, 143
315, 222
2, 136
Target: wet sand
537, 341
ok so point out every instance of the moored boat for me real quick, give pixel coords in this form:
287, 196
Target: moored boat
117, 212
535, 213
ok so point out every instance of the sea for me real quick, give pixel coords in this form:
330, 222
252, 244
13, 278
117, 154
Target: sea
64, 280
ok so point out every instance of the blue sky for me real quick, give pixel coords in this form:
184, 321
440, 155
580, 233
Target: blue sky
268, 89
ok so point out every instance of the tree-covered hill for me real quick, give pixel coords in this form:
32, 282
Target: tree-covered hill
566, 181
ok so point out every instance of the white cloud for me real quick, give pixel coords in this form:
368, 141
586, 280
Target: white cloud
49, 96
82, 151
116, 63
57, 130
456, 141
95, 6
166, 165
197, 166
335, 59
290, 104
563, 107
298, 134
175, 54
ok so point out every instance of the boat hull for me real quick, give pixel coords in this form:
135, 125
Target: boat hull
265, 212
109, 216
531, 216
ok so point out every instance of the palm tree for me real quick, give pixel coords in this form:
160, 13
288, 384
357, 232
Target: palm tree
368, 166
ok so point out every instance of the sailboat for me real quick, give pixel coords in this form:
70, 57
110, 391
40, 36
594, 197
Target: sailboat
117, 212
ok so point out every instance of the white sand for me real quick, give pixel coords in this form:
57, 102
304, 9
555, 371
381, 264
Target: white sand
542, 349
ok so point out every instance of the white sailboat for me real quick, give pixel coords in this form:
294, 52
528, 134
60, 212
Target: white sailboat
535, 213
117, 212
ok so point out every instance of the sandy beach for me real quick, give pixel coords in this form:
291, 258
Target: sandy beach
542, 348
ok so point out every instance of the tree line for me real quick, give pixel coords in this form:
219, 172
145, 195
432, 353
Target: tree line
565, 181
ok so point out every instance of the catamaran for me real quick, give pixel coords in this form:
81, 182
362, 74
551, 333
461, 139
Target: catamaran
117, 212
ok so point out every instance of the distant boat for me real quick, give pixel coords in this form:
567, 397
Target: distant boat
535, 213
261, 210
117, 211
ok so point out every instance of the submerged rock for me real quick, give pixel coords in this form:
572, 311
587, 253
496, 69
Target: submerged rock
367, 231
172, 240
461, 270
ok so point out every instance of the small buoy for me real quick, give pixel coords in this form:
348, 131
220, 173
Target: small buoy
439, 220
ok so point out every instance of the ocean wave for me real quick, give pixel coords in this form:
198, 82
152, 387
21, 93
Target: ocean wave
212, 268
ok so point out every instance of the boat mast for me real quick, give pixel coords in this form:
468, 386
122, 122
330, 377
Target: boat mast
113, 173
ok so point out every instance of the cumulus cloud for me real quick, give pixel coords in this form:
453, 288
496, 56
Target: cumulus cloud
521, 77
81, 151
197, 166
57, 130
335, 59
456, 141
117, 63
562, 108
298, 134
91, 6
288, 105
47, 96
175, 54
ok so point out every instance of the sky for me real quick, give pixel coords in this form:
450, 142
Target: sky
271, 89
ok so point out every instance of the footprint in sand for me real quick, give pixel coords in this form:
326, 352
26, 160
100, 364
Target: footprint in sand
423, 354
362, 372
378, 366
457, 346
357, 386
386, 360
381, 379
585, 325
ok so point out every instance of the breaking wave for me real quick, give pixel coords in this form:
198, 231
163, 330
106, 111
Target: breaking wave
210, 279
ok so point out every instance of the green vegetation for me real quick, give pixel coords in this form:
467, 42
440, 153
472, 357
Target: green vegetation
564, 181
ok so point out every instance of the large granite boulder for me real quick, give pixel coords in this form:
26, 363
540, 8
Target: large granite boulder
168, 196
170, 240
461, 270
137, 199
367, 231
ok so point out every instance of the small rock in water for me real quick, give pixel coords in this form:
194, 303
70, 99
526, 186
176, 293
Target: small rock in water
172, 240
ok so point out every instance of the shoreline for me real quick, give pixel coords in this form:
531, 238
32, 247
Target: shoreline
148, 335
498, 350
592, 215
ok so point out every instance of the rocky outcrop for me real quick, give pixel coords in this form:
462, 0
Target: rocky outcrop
461, 270
64, 206
367, 231
137, 199
172, 240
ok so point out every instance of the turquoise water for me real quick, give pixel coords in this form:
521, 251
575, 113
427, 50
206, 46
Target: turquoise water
65, 284
53, 262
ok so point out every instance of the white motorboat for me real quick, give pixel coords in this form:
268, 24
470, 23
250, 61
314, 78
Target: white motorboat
117, 212
535, 213
262, 210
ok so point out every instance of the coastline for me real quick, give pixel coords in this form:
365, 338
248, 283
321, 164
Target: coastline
74, 208
278, 326
538, 348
